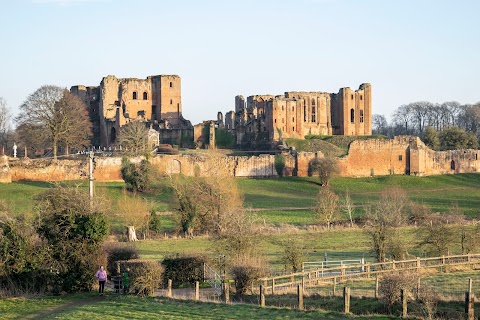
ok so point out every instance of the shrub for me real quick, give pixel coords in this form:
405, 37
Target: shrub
137, 178
155, 223
326, 168
245, 275
145, 275
391, 284
117, 251
183, 270
279, 164
224, 139
293, 254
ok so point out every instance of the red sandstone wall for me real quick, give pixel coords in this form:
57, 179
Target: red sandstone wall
366, 157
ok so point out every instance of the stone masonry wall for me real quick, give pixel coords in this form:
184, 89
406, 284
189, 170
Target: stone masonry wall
402, 155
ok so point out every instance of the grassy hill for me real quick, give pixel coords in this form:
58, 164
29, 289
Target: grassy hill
330, 146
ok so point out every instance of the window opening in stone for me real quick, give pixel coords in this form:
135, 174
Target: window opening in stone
452, 165
361, 97
361, 116
352, 96
352, 115
400, 158
171, 101
134, 95
145, 96
304, 113
171, 84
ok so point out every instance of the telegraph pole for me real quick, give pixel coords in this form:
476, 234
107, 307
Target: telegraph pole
90, 174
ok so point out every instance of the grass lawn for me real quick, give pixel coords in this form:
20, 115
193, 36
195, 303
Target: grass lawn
110, 307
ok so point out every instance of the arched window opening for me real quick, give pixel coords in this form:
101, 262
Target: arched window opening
452, 165
361, 116
352, 115
145, 96
314, 115
113, 136
134, 95
171, 84
171, 101
304, 113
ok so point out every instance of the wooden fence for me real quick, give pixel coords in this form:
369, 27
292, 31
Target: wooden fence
324, 276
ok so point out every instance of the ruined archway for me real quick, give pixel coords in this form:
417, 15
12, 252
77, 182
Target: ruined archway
453, 165
174, 167
113, 136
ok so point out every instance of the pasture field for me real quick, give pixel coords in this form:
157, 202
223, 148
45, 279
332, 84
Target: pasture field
284, 194
114, 307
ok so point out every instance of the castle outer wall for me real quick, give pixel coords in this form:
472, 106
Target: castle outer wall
402, 155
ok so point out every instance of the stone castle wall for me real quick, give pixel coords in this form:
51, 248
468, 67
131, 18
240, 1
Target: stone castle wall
402, 155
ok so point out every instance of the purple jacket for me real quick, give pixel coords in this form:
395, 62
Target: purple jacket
101, 275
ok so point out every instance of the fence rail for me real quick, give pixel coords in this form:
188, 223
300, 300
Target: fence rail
322, 276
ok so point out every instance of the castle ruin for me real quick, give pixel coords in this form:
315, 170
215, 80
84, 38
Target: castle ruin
270, 118
156, 101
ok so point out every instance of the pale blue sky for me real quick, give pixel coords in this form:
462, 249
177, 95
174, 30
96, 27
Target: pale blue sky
407, 50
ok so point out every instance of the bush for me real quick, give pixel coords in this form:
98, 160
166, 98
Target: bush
145, 275
183, 270
391, 284
224, 139
117, 251
279, 164
137, 178
245, 275
155, 223
326, 168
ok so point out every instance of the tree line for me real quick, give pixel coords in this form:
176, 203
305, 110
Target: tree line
423, 118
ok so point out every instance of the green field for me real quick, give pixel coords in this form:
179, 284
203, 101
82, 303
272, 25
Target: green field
283, 207
112, 307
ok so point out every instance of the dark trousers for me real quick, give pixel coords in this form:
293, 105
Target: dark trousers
101, 286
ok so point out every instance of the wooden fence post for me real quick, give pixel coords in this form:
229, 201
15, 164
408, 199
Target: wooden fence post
262, 296
334, 286
300, 297
418, 288
291, 281
469, 305
346, 299
169, 288
368, 271
470, 285
403, 296
197, 291
376, 287
418, 264
273, 286
226, 292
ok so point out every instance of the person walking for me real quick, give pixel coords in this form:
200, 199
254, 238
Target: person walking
101, 275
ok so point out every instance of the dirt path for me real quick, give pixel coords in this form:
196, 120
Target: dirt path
71, 305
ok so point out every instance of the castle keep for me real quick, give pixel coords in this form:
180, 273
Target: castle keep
297, 114
155, 100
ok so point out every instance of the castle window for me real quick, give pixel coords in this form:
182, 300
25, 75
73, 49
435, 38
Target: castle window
352, 96
275, 120
352, 115
400, 158
145, 96
171, 101
171, 84
304, 113
134, 95
293, 119
314, 116
452, 165
361, 97
117, 103
282, 108
361, 116
283, 120
293, 129
293, 108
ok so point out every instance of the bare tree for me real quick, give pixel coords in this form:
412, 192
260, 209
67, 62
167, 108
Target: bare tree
134, 137
52, 114
348, 207
327, 206
326, 168
380, 124
402, 117
383, 220
4, 122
